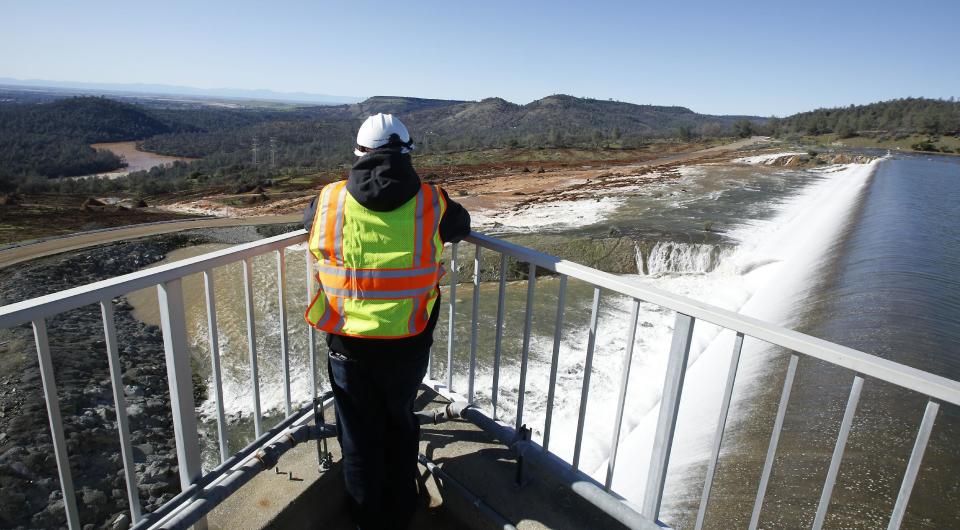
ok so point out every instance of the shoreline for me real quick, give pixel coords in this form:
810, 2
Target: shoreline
135, 159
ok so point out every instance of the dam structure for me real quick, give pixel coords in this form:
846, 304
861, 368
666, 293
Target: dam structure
485, 464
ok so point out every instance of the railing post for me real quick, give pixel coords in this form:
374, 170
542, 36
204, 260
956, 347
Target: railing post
311, 334
913, 465
667, 419
498, 341
252, 344
120, 406
587, 371
554, 360
214, 337
177, 354
474, 324
774, 441
451, 323
622, 399
56, 423
838, 450
525, 352
718, 435
284, 346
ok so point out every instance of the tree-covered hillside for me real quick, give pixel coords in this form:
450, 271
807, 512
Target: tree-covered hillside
442, 125
894, 117
52, 139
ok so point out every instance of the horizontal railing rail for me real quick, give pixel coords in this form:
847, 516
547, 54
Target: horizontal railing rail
863, 365
168, 280
92, 293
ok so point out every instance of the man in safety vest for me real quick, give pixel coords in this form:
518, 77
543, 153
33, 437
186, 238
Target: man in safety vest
377, 238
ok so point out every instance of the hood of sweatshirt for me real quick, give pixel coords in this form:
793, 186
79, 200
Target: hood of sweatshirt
383, 180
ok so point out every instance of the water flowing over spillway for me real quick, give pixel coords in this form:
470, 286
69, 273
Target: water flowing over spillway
763, 267
666, 257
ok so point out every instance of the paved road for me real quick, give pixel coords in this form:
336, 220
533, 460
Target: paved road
49, 247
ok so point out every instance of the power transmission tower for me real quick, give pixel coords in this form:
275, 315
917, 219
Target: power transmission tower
254, 149
273, 152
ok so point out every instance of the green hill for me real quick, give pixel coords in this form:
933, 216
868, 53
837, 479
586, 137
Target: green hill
885, 118
84, 119
52, 139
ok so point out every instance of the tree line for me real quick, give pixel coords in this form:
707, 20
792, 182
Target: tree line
888, 118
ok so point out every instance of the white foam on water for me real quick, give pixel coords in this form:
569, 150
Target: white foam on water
773, 265
233, 342
776, 263
767, 158
551, 216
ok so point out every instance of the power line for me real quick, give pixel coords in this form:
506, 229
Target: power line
273, 152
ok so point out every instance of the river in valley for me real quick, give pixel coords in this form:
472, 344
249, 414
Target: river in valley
865, 255
135, 159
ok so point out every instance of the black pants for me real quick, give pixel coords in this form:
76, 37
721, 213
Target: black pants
379, 434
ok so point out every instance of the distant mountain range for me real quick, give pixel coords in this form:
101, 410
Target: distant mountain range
565, 116
143, 89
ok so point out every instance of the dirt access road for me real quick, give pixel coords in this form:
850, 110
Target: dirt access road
486, 192
48, 247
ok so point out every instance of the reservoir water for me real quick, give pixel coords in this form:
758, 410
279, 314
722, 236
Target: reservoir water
865, 255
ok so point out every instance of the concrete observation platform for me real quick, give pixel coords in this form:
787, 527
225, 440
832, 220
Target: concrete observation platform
473, 458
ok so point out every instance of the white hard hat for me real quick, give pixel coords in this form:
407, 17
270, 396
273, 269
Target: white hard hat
378, 131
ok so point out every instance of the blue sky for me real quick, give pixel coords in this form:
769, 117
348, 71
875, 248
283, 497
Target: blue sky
729, 57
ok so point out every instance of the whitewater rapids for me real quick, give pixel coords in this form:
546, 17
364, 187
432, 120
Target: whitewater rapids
773, 263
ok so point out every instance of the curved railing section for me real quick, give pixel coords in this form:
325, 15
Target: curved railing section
167, 279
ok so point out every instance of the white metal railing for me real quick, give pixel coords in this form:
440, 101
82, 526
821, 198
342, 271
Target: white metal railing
937, 389
167, 279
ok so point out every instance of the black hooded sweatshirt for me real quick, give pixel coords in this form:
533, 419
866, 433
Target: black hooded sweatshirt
383, 180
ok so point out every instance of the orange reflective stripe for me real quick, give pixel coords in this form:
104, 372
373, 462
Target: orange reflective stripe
317, 229
427, 226
333, 222
360, 285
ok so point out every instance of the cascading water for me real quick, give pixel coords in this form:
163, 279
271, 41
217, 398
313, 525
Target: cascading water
233, 342
770, 265
671, 257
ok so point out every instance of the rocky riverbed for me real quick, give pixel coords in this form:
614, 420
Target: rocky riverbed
30, 495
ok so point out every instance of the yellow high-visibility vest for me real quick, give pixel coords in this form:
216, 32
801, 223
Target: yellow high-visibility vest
377, 272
